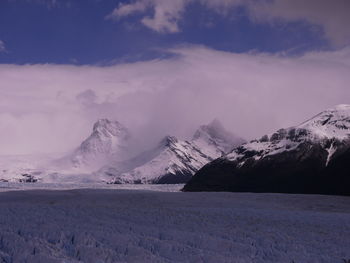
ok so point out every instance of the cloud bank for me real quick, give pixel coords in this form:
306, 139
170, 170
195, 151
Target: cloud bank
332, 16
51, 108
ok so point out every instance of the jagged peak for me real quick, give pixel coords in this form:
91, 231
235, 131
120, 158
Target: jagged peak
106, 124
215, 130
106, 127
102, 123
168, 140
216, 124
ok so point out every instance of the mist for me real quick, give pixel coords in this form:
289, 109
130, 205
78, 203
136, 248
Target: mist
51, 108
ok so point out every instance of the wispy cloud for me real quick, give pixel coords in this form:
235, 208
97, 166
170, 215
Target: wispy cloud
2, 46
165, 17
49, 3
332, 16
52, 108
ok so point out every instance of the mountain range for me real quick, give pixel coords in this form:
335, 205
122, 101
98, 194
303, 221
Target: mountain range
174, 160
313, 157
105, 156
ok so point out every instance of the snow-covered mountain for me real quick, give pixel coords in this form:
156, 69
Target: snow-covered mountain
328, 129
104, 157
174, 160
308, 158
214, 140
108, 141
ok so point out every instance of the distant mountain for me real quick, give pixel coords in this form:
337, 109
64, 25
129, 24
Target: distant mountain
313, 157
214, 140
102, 158
108, 141
173, 160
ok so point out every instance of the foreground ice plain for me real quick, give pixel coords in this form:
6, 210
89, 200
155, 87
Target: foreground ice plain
101, 225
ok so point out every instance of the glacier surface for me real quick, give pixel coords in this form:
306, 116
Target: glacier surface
114, 225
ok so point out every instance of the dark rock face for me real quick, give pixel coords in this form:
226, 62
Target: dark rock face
178, 178
28, 178
302, 170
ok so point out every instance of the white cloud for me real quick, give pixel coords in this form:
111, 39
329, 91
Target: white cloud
128, 9
332, 16
50, 108
165, 17
2, 46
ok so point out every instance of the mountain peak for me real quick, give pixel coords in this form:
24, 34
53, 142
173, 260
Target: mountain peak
214, 128
216, 124
102, 123
108, 140
168, 140
214, 135
331, 123
328, 128
110, 128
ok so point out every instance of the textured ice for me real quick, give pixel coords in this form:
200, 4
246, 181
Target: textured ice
14, 186
147, 226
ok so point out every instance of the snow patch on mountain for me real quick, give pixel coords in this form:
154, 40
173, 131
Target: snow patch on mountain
329, 128
332, 123
104, 157
171, 157
174, 160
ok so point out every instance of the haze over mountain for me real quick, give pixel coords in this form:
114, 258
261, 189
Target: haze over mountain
106, 155
313, 157
174, 160
108, 141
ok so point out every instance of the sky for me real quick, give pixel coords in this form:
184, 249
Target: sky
164, 67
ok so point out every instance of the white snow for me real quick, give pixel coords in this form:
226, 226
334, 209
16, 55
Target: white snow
264, 149
174, 156
147, 226
105, 156
331, 152
333, 123
108, 141
171, 156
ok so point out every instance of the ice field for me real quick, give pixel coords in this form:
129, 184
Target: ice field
116, 225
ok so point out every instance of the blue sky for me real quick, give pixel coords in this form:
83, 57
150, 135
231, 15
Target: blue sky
79, 32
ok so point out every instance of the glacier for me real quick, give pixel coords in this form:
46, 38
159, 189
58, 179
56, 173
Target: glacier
104, 225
